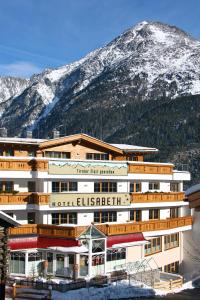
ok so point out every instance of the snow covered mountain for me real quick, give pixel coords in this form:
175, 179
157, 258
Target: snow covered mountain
152, 60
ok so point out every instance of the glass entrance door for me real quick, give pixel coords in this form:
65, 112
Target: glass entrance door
83, 265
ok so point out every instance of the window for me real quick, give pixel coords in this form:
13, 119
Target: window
6, 186
97, 156
9, 152
98, 246
132, 158
174, 212
154, 185
17, 262
171, 241
105, 216
98, 260
154, 246
135, 187
31, 218
56, 154
172, 268
32, 153
154, 214
50, 262
135, 215
64, 186
31, 186
105, 187
174, 187
64, 218
116, 254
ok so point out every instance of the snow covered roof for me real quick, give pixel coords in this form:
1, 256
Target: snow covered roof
193, 189
132, 148
17, 140
75, 249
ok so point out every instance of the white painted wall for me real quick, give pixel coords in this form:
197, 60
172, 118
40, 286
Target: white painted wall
145, 215
123, 186
164, 213
86, 186
85, 218
164, 186
122, 216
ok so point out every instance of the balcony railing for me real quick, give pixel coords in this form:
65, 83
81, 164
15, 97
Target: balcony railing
108, 229
24, 198
157, 197
13, 164
144, 226
146, 168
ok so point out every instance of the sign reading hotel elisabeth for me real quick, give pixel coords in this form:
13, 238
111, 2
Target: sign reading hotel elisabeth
87, 168
100, 199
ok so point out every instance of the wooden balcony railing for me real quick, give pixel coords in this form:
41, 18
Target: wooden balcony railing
47, 230
24, 198
150, 168
157, 197
143, 226
108, 229
8, 164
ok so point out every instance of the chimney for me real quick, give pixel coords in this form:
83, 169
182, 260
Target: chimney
56, 134
29, 134
3, 132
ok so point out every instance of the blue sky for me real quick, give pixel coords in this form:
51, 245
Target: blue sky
38, 34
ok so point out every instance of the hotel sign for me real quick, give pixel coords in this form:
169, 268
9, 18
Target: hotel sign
81, 200
87, 168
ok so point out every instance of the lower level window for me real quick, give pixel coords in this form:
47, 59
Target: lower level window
105, 216
154, 246
98, 260
171, 241
172, 268
17, 262
116, 254
64, 218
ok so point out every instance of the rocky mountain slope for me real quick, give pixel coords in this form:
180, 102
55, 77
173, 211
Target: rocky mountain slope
11, 87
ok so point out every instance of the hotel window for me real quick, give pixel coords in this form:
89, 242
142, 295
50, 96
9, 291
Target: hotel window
64, 218
154, 214
135, 187
9, 152
6, 186
154, 185
132, 158
174, 212
174, 187
105, 216
32, 153
31, 186
116, 254
105, 187
154, 246
31, 218
56, 154
135, 215
171, 241
97, 156
64, 186
17, 263
172, 268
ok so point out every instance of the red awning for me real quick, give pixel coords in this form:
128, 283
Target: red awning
125, 239
40, 242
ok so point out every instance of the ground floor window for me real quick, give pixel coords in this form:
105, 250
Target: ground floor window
17, 262
154, 246
50, 262
171, 241
64, 218
60, 258
105, 216
172, 268
116, 254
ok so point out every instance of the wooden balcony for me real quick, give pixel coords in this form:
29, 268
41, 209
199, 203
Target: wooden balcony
9, 164
144, 226
47, 230
150, 168
157, 197
108, 229
24, 198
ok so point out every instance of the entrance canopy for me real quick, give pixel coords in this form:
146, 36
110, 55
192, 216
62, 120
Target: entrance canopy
76, 250
127, 240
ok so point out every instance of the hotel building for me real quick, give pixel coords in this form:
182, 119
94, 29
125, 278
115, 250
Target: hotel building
90, 206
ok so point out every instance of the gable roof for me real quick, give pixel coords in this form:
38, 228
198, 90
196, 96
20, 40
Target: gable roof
7, 221
80, 137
